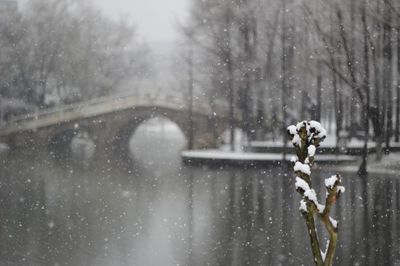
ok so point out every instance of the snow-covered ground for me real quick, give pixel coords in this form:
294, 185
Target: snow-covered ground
389, 164
329, 142
253, 156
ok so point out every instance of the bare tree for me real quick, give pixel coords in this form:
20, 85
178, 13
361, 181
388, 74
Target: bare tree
67, 50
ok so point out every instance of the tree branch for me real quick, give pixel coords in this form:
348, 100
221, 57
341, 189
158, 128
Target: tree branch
306, 137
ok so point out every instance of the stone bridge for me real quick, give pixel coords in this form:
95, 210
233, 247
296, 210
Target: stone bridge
110, 122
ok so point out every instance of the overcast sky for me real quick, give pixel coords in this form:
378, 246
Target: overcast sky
156, 20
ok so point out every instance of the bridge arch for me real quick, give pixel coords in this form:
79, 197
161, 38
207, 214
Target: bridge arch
120, 141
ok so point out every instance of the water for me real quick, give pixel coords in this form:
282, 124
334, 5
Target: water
162, 213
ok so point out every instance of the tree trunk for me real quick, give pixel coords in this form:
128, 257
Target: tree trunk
379, 113
190, 87
260, 109
337, 107
352, 66
397, 133
283, 76
363, 167
229, 69
319, 92
387, 82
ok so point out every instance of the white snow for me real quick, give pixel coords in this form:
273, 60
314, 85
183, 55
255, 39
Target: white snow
341, 189
311, 150
320, 131
329, 142
301, 183
314, 131
333, 222
301, 124
254, 156
315, 124
330, 182
292, 130
296, 141
321, 208
294, 159
323, 254
311, 195
303, 206
227, 155
300, 167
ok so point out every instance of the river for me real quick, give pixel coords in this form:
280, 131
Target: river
164, 213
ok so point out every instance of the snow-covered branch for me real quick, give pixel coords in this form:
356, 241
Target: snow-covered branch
306, 136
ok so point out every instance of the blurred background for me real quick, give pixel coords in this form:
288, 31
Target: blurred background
154, 132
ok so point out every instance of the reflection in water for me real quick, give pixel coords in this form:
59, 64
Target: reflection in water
166, 214
82, 148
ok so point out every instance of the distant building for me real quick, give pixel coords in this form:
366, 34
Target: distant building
8, 6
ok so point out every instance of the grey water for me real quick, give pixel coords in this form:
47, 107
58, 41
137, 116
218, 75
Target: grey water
164, 213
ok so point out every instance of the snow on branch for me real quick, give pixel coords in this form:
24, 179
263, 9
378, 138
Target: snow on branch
301, 184
302, 167
311, 150
332, 181
306, 137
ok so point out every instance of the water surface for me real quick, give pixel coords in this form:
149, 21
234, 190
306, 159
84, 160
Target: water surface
163, 213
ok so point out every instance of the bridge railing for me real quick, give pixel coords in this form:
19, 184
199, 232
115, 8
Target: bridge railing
98, 106
62, 109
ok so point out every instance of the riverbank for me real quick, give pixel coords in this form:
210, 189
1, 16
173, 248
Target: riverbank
241, 158
389, 165
354, 147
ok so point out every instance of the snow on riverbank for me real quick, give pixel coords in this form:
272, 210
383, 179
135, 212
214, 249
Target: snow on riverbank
253, 156
220, 154
329, 142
